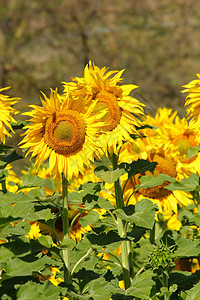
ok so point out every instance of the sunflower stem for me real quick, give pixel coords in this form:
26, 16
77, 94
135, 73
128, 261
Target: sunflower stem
122, 227
66, 233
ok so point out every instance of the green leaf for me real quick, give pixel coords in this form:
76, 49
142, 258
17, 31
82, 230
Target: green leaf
194, 293
143, 216
19, 247
17, 267
19, 210
43, 214
35, 291
150, 181
100, 289
139, 166
187, 248
91, 218
190, 183
35, 181
104, 238
46, 241
12, 156
183, 279
109, 175
192, 151
141, 285
18, 125
4, 148
104, 203
67, 243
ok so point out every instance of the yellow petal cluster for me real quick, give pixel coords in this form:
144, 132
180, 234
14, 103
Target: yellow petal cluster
6, 114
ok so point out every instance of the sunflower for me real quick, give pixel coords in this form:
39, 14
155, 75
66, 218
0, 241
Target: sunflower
62, 135
123, 110
178, 132
6, 112
192, 100
166, 200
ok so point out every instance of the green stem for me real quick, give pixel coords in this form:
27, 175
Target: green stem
165, 284
3, 183
118, 189
130, 257
81, 259
124, 254
122, 226
66, 233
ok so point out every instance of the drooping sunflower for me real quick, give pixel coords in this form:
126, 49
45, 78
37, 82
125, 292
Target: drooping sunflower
6, 113
192, 100
63, 134
123, 110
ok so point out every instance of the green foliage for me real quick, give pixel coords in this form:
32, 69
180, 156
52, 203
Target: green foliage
141, 215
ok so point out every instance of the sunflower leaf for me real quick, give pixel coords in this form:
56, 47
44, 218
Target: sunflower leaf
109, 175
148, 181
192, 151
187, 248
189, 184
142, 215
139, 166
194, 293
35, 181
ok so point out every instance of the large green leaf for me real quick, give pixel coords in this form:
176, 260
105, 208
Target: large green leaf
35, 181
99, 289
187, 248
185, 280
17, 267
148, 181
91, 218
194, 293
109, 175
35, 291
189, 184
141, 285
142, 216
139, 166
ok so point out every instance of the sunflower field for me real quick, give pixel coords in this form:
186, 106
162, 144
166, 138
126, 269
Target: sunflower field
109, 205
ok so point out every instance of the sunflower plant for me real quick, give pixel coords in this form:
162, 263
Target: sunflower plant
109, 206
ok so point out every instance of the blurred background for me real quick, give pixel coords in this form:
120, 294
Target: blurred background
45, 42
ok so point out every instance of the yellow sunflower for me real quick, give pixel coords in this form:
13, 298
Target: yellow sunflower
122, 109
6, 112
192, 100
166, 200
181, 134
62, 135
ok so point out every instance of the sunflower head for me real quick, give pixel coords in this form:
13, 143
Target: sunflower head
63, 134
192, 100
6, 113
106, 88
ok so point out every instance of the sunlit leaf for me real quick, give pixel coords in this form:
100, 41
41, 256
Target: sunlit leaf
35, 181
192, 151
190, 183
148, 181
187, 248
194, 293
143, 215
109, 175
